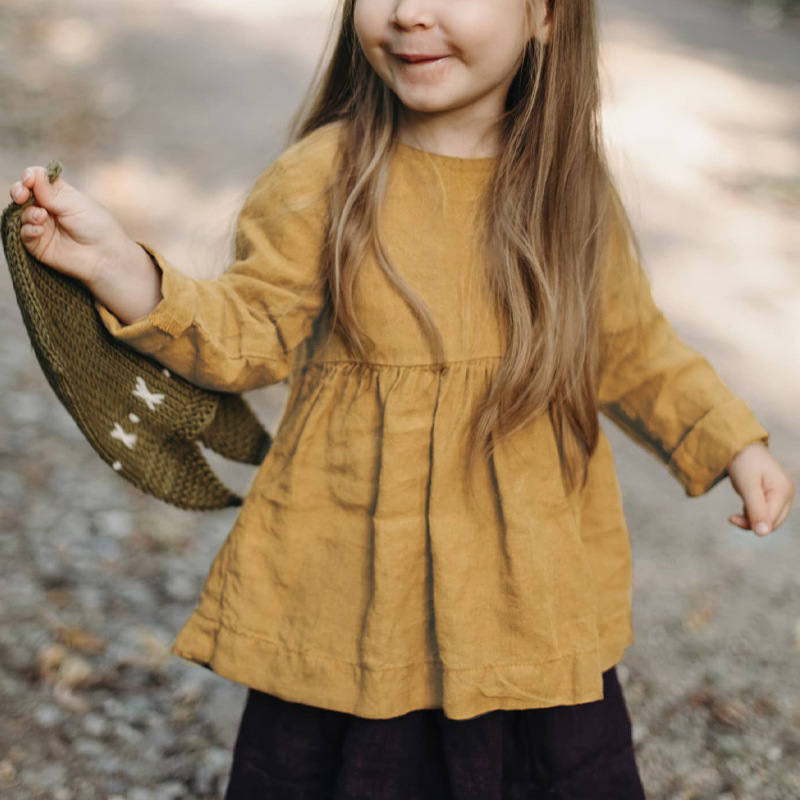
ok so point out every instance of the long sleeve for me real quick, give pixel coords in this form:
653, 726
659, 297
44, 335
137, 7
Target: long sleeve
238, 331
662, 393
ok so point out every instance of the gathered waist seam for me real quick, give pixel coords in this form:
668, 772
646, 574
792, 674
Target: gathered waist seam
422, 364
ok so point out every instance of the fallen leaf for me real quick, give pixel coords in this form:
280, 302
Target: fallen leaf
73, 672
81, 640
49, 659
730, 713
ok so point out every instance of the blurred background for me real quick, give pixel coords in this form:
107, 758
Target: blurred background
166, 111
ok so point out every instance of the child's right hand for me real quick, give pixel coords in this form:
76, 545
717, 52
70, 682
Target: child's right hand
66, 230
70, 232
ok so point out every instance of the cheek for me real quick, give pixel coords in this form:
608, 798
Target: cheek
494, 58
367, 20
368, 34
490, 33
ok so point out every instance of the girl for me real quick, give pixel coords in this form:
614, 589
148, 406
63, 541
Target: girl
428, 587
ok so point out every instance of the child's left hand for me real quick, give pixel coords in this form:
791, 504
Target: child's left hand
764, 486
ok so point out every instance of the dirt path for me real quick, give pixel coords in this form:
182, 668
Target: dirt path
165, 110
705, 111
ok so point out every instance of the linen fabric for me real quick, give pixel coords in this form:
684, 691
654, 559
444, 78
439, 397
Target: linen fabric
365, 572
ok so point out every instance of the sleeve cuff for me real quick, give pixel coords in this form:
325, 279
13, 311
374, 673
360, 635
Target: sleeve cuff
173, 314
701, 459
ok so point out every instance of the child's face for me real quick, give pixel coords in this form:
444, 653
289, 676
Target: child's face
479, 44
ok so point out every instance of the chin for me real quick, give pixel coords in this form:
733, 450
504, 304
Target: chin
426, 105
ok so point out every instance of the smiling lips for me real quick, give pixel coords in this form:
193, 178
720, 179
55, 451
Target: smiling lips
416, 58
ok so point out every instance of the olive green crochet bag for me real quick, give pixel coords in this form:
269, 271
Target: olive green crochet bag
142, 420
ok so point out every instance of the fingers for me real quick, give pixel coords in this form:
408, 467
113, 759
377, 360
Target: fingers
35, 179
31, 231
784, 512
780, 502
740, 520
779, 493
33, 219
33, 215
775, 502
757, 510
22, 189
54, 197
771, 508
19, 193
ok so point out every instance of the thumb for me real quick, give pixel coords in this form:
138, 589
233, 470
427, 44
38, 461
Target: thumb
757, 510
58, 197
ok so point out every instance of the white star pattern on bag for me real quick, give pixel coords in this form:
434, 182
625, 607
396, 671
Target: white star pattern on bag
143, 393
128, 439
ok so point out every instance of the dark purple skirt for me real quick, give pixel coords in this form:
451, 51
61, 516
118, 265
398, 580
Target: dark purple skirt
291, 751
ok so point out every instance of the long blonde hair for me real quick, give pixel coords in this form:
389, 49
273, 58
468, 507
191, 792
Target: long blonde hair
546, 216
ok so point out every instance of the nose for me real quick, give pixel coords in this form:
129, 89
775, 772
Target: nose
413, 13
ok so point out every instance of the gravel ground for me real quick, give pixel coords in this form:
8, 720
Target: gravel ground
161, 110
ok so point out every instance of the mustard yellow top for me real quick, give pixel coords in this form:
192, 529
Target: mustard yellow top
361, 574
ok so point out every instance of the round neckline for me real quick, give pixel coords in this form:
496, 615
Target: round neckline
458, 162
